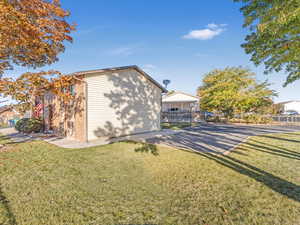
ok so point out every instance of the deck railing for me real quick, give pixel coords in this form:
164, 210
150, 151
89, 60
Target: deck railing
194, 117
182, 117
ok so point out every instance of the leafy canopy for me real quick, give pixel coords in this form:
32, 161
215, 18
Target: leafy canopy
30, 85
234, 90
275, 35
32, 32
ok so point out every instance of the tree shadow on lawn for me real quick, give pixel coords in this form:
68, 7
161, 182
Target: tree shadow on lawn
277, 147
270, 149
144, 147
281, 139
5, 204
275, 183
209, 146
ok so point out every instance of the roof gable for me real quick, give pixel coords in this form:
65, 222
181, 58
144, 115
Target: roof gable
180, 97
143, 73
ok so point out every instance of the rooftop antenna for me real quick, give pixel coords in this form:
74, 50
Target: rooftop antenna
166, 83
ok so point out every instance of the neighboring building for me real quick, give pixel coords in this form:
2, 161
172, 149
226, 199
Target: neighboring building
180, 102
108, 103
8, 113
290, 106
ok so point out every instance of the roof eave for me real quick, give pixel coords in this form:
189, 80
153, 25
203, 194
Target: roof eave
187, 101
122, 68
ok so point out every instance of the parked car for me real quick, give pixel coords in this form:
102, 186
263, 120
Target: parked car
209, 114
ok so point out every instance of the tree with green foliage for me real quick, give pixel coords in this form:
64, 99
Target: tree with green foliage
234, 90
275, 35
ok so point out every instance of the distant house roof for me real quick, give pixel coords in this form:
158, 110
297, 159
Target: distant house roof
286, 102
178, 96
122, 68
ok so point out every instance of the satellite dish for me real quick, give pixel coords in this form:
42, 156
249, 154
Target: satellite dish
166, 83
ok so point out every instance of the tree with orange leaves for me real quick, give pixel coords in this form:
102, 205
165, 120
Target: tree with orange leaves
28, 86
32, 34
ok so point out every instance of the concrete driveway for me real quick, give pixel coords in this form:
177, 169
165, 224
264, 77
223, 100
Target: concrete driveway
217, 138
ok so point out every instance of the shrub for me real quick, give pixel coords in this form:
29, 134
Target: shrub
29, 125
256, 118
216, 119
252, 118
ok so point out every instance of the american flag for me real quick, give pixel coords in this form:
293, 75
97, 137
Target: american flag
38, 109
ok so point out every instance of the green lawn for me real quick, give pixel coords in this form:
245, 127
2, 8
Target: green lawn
120, 183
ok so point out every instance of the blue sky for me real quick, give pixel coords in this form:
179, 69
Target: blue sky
176, 40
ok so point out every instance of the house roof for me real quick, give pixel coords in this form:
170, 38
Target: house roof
122, 68
286, 102
178, 96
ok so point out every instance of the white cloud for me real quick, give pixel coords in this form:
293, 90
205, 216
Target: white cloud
212, 30
212, 26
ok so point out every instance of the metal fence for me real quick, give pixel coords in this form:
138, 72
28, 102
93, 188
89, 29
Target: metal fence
194, 117
181, 117
286, 119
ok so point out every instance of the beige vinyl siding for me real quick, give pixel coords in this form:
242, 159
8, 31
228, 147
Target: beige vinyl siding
121, 103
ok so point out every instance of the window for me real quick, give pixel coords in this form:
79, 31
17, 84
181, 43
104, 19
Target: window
72, 90
174, 109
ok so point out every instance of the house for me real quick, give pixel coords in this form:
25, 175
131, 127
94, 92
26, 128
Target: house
290, 106
177, 101
107, 103
8, 113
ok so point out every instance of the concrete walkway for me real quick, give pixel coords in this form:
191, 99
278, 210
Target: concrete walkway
67, 143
